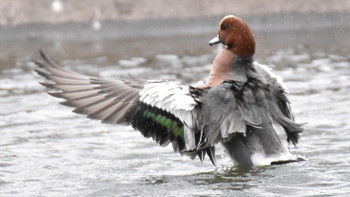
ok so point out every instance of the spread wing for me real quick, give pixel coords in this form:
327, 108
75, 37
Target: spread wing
279, 94
233, 108
163, 110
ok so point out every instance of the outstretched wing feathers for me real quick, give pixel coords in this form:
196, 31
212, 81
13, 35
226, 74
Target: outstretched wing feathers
193, 120
153, 94
152, 107
176, 99
283, 104
229, 110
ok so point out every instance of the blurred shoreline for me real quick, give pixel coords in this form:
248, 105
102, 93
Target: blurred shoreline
323, 29
16, 12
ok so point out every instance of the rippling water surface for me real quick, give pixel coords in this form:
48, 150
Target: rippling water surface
45, 150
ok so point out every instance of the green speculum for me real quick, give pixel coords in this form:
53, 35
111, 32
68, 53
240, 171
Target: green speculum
166, 122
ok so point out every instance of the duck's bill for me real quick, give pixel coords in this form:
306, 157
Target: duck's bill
214, 41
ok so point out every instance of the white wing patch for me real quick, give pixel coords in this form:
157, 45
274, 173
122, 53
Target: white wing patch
168, 95
175, 98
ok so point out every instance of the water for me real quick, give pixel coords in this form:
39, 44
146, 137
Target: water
45, 150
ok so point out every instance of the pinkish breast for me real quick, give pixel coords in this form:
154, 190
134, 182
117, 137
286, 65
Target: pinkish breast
222, 65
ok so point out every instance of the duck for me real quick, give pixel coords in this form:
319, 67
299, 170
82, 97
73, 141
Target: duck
243, 105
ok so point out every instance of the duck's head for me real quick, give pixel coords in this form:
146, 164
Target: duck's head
236, 36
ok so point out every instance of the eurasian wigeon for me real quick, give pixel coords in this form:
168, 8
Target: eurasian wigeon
242, 105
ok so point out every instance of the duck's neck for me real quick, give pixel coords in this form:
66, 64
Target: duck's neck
225, 66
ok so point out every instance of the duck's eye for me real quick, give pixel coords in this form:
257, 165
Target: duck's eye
224, 26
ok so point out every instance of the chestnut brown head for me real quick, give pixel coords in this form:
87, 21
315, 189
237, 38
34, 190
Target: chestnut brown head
237, 37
